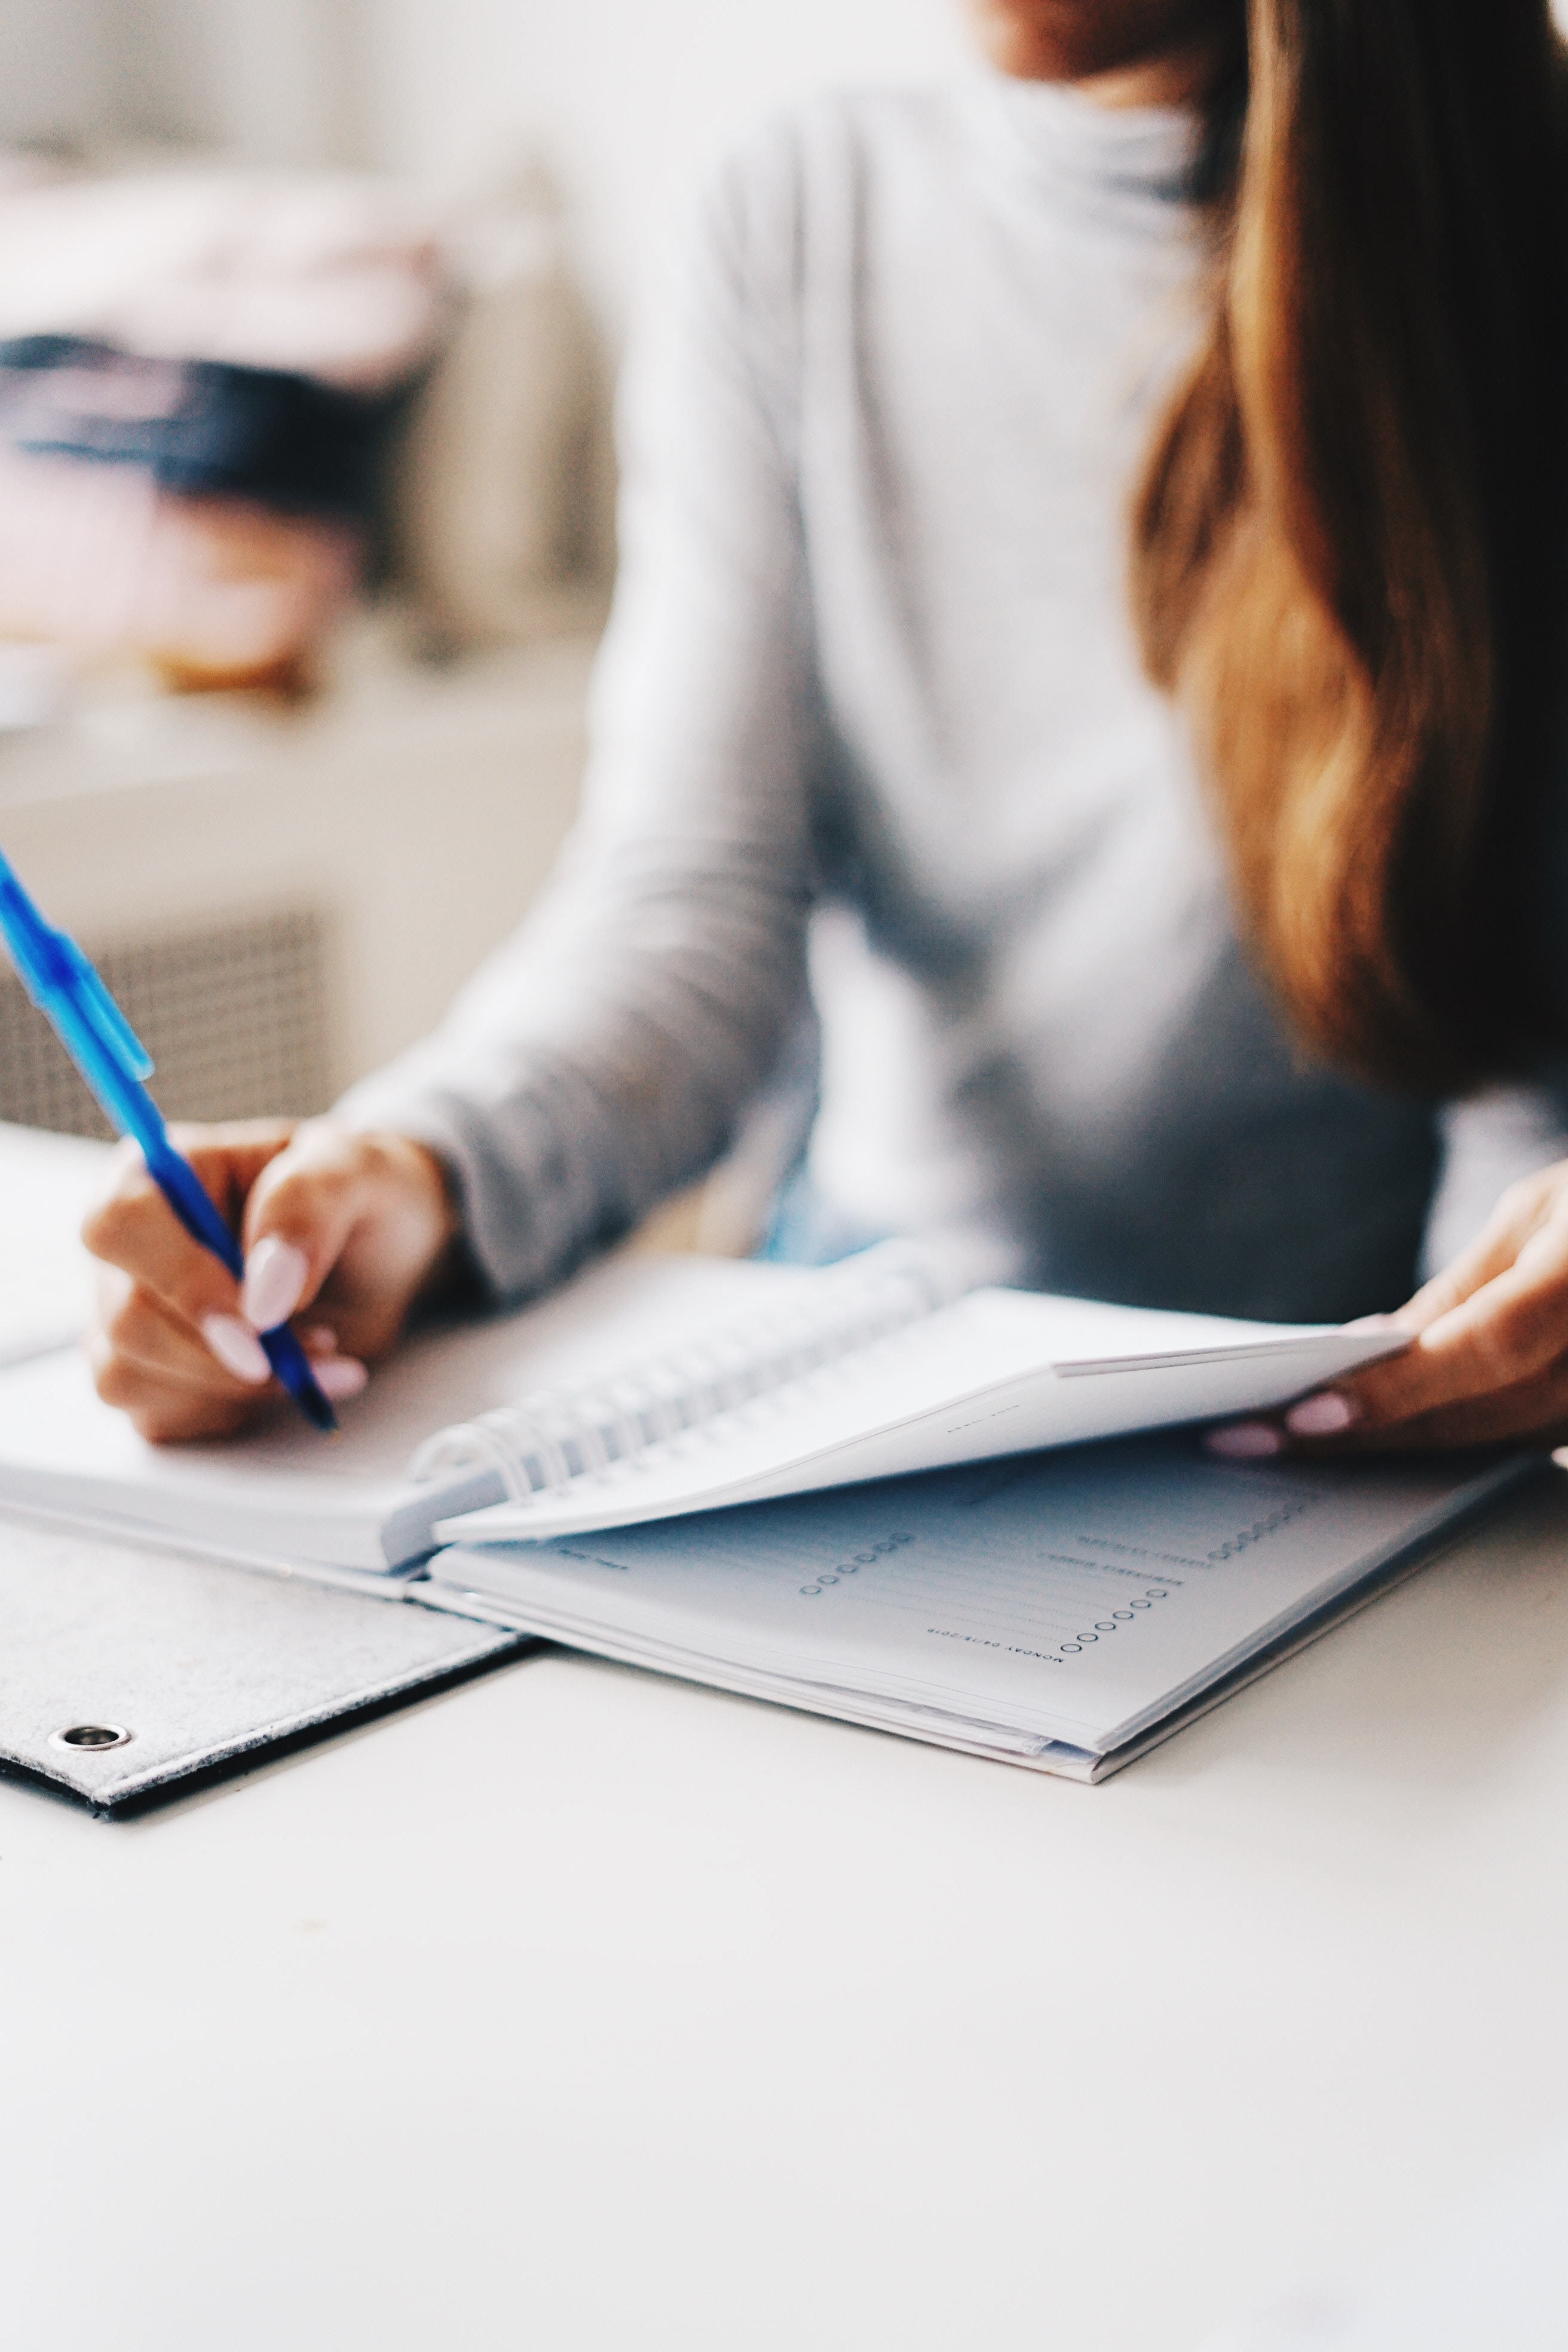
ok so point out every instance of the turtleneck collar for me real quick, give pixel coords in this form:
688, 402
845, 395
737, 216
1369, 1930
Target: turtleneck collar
1130, 165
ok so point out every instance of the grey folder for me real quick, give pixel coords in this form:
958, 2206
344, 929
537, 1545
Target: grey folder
124, 1673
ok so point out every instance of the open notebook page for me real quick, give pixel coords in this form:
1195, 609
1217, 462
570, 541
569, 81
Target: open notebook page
287, 1495
997, 1371
46, 1184
1072, 1597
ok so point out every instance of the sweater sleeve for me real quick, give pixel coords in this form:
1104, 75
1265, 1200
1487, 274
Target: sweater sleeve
600, 1059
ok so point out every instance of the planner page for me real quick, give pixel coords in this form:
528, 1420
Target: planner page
1074, 1596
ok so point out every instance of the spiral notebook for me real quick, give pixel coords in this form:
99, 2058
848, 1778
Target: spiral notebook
652, 1388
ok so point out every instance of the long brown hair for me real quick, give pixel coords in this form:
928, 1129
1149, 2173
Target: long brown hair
1350, 548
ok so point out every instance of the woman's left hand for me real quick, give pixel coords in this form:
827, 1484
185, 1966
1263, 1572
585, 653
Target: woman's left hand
1488, 1363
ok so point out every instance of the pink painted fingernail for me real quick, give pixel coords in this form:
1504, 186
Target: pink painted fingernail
339, 1376
322, 1337
236, 1347
275, 1274
1243, 1441
1323, 1415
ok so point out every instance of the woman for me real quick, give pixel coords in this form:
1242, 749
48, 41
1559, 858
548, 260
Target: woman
1168, 939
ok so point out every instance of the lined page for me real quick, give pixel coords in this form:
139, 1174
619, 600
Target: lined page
1074, 1596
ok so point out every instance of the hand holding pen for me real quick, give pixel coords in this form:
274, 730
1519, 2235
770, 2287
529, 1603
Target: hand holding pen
213, 1257
347, 1228
112, 1059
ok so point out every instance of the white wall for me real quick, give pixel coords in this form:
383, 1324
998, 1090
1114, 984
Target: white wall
264, 78
267, 77
53, 72
631, 100
628, 99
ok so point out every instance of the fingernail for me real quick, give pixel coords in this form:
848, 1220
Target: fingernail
1371, 1323
322, 1337
275, 1274
236, 1347
1323, 1415
339, 1376
1244, 1441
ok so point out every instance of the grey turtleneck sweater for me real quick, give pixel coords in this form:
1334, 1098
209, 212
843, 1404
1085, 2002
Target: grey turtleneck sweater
871, 736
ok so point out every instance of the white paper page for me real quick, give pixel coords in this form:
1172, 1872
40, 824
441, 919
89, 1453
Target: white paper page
1074, 1596
999, 1371
290, 1494
48, 1182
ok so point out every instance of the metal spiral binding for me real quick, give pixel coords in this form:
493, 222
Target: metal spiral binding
541, 1444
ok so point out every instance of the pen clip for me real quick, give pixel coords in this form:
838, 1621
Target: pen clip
51, 966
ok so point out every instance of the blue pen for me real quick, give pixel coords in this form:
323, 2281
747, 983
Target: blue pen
112, 1059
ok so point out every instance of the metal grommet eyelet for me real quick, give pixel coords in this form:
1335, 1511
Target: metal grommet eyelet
91, 1737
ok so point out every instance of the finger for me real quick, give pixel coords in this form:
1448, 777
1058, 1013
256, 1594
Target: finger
132, 1227
163, 1412
352, 1211
1513, 1329
1520, 1212
144, 1329
300, 1217
148, 1362
143, 1353
1528, 1414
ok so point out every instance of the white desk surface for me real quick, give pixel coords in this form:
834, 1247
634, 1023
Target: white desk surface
581, 2009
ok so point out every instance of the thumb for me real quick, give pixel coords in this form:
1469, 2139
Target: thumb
353, 1221
299, 1217
1518, 1217
1493, 1320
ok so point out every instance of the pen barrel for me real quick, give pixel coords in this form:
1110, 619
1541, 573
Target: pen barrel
292, 1366
188, 1196
194, 1206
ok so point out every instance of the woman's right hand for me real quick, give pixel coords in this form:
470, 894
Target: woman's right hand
342, 1233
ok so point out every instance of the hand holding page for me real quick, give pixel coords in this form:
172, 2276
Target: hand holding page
874, 1372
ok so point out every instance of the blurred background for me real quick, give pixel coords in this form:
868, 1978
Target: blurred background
310, 316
